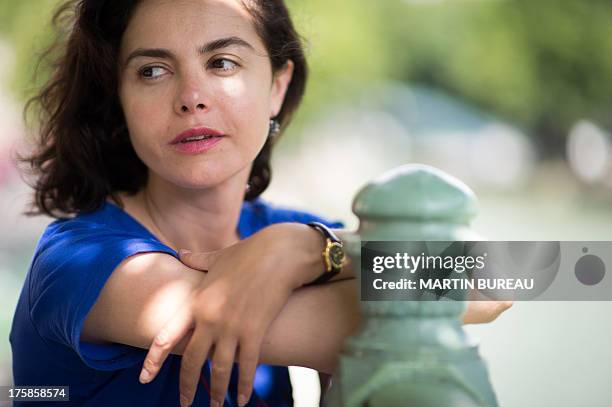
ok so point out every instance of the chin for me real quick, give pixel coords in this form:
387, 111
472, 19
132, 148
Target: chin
199, 179
192, 182
203, 174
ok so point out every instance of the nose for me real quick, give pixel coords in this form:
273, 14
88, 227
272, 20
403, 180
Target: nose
199, 106
190, 98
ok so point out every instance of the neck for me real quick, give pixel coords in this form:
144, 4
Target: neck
199, 220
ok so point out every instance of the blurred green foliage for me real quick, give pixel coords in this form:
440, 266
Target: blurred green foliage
26, 25
541, 64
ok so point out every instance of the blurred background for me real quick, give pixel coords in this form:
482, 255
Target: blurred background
511, 96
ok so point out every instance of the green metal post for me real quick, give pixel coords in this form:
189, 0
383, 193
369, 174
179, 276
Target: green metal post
411, 353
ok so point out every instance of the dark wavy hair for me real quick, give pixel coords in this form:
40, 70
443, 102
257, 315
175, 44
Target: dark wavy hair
83, 153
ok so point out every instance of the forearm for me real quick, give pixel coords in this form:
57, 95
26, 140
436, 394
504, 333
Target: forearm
304, 251
477, 312
311, 328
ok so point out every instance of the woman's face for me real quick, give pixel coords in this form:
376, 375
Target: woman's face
197, 64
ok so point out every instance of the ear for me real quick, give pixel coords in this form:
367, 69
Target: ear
280, 84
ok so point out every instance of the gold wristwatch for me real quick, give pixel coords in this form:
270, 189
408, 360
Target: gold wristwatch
333, 253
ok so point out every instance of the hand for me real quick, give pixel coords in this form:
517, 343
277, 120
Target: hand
228, 312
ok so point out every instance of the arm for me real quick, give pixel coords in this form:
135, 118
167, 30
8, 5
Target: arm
150, 288
295, 337
142, 293
153, 300
479, 309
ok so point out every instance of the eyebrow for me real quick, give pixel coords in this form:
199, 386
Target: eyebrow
204, 49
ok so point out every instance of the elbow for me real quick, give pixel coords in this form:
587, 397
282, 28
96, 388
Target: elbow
327, 365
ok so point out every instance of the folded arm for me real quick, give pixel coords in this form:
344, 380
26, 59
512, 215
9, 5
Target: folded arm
147, 290
249, 305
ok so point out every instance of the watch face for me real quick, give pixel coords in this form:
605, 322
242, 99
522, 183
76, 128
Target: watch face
336, 255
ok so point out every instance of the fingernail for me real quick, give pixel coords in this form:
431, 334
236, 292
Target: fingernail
184, 401
214, 403
183, 252
242, 400
145, 376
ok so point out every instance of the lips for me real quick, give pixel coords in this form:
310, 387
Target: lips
196, 134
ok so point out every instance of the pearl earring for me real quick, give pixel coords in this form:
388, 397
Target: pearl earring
274, 128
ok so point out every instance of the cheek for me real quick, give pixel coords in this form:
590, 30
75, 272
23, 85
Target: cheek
148, 108
247, 103
147, 123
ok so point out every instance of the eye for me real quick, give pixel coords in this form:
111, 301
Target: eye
224, 65
151, 72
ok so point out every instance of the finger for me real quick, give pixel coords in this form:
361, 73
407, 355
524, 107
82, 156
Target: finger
479, 312
165, 340
222, 363
247, 361
193, 359
199, 261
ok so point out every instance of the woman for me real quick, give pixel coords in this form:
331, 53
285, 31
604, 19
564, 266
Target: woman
156, 132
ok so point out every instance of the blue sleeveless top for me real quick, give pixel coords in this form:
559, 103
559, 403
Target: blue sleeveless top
71, 264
